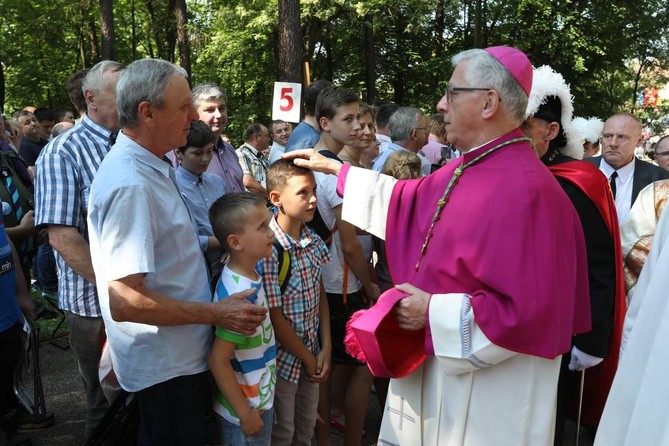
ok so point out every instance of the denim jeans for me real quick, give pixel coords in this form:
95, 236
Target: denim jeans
44, 268
233, 435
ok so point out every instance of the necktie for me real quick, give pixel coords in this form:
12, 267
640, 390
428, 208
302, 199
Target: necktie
612, 181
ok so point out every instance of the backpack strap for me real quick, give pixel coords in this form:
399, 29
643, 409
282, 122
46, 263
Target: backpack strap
283, 265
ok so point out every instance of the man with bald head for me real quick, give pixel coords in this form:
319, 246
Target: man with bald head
626, 173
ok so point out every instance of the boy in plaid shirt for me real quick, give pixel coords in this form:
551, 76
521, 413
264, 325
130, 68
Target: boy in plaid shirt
300, 314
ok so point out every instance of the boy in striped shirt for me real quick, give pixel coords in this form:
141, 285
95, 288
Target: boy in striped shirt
244, 367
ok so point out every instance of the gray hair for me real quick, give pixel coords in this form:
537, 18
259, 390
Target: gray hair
143, 80
484, 71
95, 79
208, 92
403, 122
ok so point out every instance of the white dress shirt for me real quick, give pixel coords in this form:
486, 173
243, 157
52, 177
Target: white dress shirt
624, 184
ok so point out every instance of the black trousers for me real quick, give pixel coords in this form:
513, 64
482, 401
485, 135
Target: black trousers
10, 345
567, 385
173, 412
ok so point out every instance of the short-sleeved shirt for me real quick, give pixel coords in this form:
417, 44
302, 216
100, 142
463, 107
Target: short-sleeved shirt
303, 137
65, 171
301, 300
139, 224
253, 163
254, 357
200, 192
225, 164
333, 271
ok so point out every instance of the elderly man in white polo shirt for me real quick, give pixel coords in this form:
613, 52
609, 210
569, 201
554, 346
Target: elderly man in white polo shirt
151, 274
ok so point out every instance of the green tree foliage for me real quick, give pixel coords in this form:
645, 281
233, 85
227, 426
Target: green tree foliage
388, 50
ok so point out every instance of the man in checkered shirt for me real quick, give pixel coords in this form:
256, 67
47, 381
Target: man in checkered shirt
65, 171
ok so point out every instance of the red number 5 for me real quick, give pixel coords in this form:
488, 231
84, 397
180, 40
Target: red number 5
285, 94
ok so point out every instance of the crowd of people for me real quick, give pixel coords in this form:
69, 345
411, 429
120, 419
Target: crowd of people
500, 249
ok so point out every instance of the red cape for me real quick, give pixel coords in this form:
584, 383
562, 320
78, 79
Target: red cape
598, 379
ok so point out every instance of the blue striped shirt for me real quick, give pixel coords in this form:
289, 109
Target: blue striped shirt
65, 171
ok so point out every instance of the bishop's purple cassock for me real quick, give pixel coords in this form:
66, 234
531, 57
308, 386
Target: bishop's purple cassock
506, 267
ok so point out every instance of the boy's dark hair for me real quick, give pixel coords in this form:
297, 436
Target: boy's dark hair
228, 214
331, 99
199, 136
44, 114
383, 114
74, 91
280, 171
311, 95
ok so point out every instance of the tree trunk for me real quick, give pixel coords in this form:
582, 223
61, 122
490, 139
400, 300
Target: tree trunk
162, 29
310, 32
81, 42
636, 83
290, 41
170, 28
370, 63
399, 86
133, 30
2, 88
107, 29
180, 13
439, 27
329, 58
92, 34
477, 25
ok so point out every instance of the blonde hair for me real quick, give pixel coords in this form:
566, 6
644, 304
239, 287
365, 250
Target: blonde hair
403, 165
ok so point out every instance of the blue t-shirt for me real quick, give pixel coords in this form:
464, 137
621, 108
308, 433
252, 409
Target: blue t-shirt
9, 309
303, 137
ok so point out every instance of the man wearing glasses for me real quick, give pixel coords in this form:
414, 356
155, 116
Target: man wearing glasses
662, 152
488, 257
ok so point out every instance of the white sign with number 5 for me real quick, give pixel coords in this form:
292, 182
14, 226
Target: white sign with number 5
286, 102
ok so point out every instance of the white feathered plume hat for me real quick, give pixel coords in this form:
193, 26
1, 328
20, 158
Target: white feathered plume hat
587, 130
550, 99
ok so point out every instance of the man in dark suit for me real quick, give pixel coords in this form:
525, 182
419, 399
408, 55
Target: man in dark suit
626, 173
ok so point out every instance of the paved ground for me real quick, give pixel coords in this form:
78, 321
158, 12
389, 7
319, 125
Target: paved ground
64, 397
